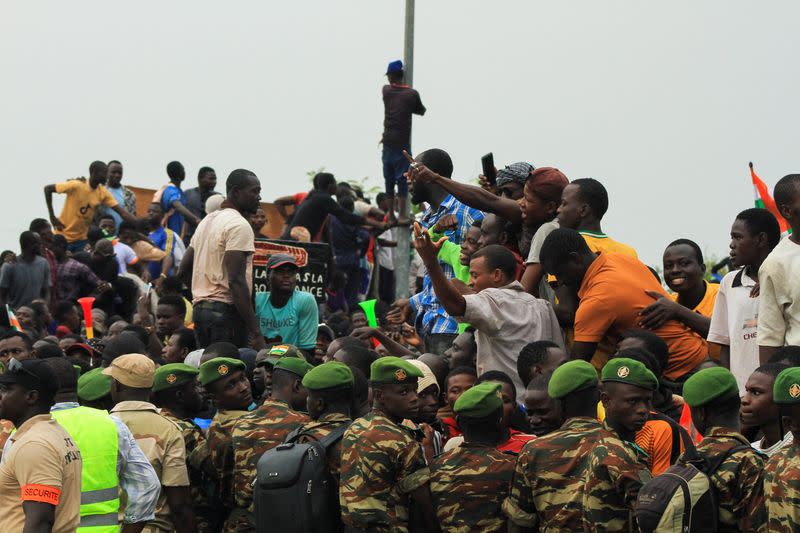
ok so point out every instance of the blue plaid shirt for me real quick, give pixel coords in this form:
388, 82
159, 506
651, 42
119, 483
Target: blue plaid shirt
431, 317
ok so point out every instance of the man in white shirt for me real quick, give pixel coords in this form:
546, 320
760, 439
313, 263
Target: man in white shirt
222, 278
505, 317
734, 322
779, 303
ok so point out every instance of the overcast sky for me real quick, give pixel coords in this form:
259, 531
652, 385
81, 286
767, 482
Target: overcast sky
665, 103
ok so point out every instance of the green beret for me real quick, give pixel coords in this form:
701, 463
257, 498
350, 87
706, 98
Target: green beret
330, 375
708, 385
570, 377
218, 368
173, 375
787, 386
480, 400
295, 365
630, 371
393, 370
94, 385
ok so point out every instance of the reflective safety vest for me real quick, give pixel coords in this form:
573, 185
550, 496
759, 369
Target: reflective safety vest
95, 434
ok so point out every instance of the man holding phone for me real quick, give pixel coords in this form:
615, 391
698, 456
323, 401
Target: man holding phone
400, 101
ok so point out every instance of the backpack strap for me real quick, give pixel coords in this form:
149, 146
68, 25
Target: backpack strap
678, 435
326, 442
292, 436
713, 465
334, 436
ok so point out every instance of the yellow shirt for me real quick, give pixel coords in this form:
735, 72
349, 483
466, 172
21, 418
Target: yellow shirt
79, 207
706, 308
601, 243
706, 305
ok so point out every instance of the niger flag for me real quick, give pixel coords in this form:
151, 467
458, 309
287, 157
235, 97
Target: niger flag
765, 201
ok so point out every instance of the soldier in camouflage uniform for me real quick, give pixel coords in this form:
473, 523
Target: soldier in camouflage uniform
470, 482
330, 402
263, 429
713, 397
782, 472
175, 391
547, 490
383, 468
226, 381
617, 466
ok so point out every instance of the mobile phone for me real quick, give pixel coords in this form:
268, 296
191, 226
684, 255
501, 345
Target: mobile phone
487, 162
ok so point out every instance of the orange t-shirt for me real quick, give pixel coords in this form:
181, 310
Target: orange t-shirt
612, 295
656, 439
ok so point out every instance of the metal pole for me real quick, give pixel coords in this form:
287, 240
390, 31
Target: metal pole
402, 258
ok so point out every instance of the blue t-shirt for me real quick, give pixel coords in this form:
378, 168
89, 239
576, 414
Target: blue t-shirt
296, 322
168, 197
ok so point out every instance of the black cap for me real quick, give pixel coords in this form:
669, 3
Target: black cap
33, 374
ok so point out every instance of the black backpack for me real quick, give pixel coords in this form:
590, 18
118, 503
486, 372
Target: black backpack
683, 498
294, 491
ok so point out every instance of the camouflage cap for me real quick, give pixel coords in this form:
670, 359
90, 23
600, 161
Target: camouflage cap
630, 371
709, 384
285, 350
173, 375
94, 385
330, 375
570, 377
480, 400
218, 368
393, 370
278, 351
787, 386
295, 365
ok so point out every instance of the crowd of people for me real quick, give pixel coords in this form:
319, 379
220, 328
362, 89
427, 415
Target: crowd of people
539, 377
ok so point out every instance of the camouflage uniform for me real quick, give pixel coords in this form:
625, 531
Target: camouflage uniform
381, 464
252, 435
318, 430
468, 486
219, 449
782, 489
738, 480
547, 491
617, 470
196, 454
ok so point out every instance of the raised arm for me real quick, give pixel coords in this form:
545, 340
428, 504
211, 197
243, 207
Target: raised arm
469, 194
449, 297
124, 214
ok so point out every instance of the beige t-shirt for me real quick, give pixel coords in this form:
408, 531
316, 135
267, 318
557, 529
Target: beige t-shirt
221, 231
506, 319
162, 442
42, 464
779, 297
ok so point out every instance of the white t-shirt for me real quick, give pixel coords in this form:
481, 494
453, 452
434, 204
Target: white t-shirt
779, 302
734, 323
221, 231
775, 448
545, 291
386, 255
